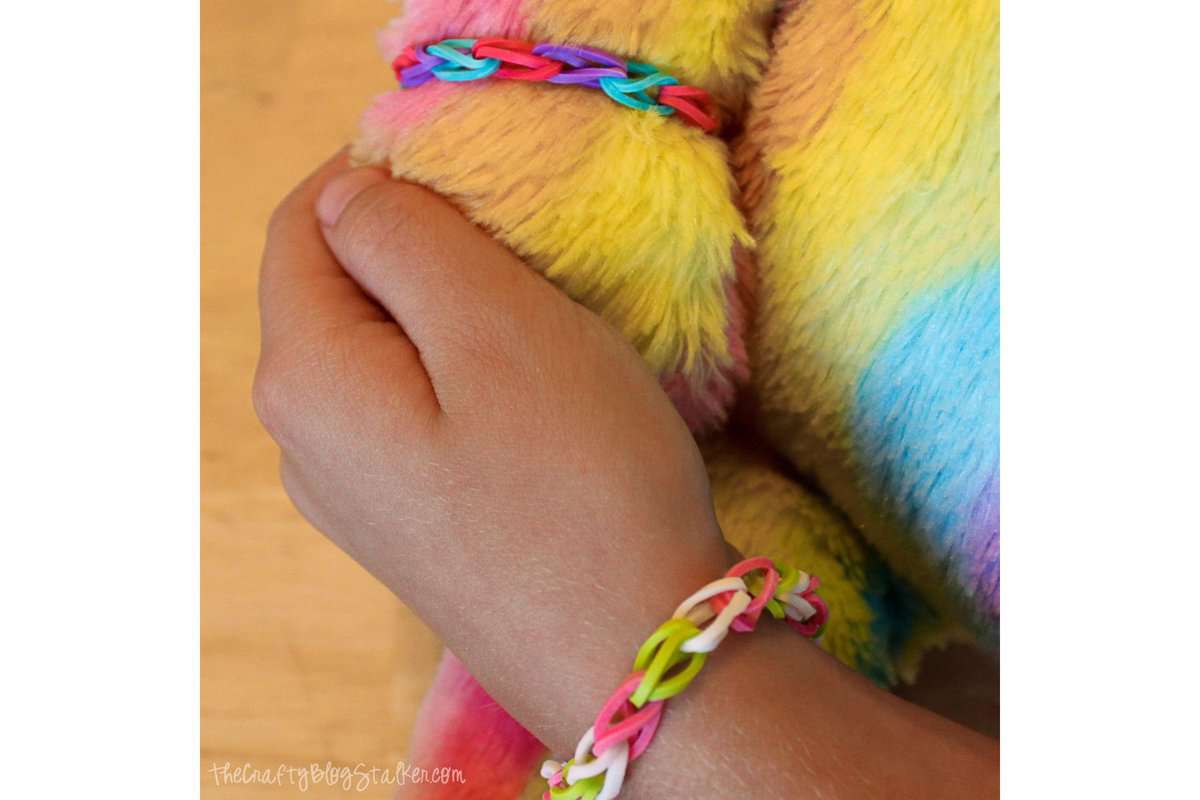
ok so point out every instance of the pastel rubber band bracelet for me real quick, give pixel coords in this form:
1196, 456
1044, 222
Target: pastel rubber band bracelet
667, 663
629, 83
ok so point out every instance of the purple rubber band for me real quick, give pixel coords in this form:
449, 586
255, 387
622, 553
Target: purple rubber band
416, 75
420, 73
587, 76
578, 56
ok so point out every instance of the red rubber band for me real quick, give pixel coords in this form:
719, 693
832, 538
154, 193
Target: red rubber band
577, 65
539, 67
679, 98
407, 58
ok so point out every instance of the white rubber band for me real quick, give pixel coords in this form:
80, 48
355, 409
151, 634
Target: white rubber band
711, 590
580, 769
707, 640
615, 778
799, 609
614, 761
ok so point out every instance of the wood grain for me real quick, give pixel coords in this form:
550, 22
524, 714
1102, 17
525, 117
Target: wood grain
305, 658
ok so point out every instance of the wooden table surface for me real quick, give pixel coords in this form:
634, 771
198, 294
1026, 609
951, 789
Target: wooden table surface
305, 658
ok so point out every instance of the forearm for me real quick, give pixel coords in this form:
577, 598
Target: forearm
770, 715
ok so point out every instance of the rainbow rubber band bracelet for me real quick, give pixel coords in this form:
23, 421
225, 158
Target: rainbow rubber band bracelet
670, 660
627, 82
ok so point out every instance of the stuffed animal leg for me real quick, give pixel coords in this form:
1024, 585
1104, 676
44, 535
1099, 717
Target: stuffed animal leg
870, 169
631, 213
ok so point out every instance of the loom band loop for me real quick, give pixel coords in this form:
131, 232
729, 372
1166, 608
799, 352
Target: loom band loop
631, 91
599, 778
586, 76
638, 86
679, 679
580, 56
585, 767
640, 101
749, 618
815, 625
697, 610
807, 611
680, 98
407, 58
716, 631
458, 74
661, 654
536, 68
588, 789
500, 42
456, 51
638, 726
414, 67
790, 580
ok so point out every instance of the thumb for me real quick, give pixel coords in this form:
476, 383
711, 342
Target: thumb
456, 292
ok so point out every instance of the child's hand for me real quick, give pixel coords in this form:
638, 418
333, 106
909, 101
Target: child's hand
501, 459
489, 449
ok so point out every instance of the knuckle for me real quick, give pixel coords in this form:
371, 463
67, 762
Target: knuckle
275, 398
278, 219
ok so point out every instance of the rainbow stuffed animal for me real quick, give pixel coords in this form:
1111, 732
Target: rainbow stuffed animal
834, 258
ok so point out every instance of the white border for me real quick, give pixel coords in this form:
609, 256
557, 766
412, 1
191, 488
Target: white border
1100, 405
99, 324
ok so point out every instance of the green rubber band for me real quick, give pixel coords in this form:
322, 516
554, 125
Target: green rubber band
586, 789
788, 578
671, 626
679, 681
664, 646
775, 609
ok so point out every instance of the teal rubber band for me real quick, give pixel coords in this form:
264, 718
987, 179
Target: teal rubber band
447, 73
631, 91
640, 85
639, 101
464, 60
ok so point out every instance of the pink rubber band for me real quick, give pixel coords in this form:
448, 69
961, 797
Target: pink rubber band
746, 621
640, 723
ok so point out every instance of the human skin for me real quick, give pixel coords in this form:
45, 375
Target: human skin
504, 462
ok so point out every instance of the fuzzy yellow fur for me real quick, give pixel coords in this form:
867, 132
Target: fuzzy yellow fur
764, 513
870, 171
632, 214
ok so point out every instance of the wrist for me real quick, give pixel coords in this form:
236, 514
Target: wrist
554, 662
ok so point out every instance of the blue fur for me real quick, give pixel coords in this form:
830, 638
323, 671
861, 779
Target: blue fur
927, 421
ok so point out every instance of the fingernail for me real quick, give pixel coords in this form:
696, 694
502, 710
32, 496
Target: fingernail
338, 193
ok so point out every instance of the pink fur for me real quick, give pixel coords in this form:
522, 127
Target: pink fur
707, 409
460, 726
393, 114
432, 20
